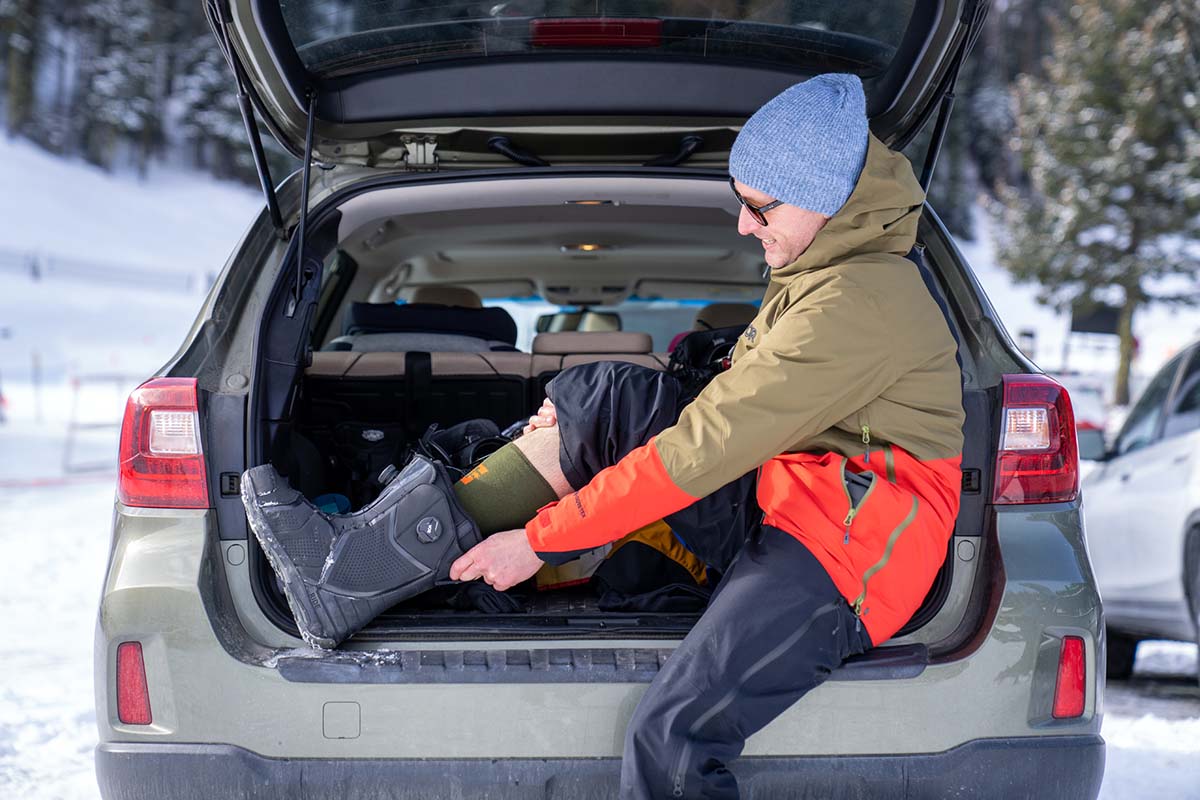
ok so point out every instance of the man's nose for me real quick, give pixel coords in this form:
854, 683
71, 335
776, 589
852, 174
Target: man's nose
747, 224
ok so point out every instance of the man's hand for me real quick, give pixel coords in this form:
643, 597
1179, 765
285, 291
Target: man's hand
546, 417
503, 560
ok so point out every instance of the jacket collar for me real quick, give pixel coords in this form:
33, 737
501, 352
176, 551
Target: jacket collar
880, 216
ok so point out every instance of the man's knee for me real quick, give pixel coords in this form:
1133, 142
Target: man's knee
541, 448
606, 409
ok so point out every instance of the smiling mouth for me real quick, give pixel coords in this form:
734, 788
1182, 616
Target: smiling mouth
767, 242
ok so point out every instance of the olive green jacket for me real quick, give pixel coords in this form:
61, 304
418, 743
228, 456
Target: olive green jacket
848, 352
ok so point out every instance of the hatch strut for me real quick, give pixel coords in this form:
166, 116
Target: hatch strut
973, 17
939, 133
302, 275
509, 149
687, 146
219, 21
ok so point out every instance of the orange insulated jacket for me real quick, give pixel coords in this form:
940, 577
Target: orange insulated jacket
848, 367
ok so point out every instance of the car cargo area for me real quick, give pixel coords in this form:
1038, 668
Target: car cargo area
421, 320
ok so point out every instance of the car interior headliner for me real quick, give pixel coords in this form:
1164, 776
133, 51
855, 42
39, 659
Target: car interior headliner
575, 240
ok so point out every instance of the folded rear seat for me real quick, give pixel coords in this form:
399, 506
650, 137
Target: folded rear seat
418, 388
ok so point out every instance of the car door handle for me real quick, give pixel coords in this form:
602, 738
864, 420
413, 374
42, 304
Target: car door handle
1181, 458
1126, 476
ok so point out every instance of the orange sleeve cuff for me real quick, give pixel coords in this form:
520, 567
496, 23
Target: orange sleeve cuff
622, 498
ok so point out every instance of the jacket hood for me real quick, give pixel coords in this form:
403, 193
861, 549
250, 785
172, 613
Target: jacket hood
880, 216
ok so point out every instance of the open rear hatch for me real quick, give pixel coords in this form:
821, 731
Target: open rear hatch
470, 84
544, 82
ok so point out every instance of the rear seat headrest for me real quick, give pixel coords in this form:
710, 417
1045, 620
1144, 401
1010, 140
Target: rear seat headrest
723, 315
573, 342
459, 296
490, 324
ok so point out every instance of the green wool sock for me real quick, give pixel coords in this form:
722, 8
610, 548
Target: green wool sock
504, 491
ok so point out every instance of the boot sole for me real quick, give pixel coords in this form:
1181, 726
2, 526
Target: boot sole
294, 589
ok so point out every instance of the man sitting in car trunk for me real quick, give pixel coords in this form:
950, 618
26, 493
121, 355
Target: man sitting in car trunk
819, 474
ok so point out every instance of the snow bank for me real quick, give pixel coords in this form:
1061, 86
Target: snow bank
176, 220
176, 223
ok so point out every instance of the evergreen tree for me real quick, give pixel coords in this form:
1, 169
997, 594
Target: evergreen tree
209, 119
123, 71
204, 100
20, 32
1110, 141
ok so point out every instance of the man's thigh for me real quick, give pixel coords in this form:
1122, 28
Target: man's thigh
775, 628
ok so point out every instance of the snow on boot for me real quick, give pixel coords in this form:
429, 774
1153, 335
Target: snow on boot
339, 571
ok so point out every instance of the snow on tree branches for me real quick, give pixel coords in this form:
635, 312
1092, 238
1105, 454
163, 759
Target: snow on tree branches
1110, 144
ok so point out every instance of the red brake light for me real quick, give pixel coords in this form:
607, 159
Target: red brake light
1072, 675
1038, 460
162, 464
133, 696
595, 32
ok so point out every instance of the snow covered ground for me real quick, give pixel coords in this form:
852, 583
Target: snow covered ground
185, 225
51, 582
1152, 726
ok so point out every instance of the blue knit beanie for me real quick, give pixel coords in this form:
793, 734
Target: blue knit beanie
807, 145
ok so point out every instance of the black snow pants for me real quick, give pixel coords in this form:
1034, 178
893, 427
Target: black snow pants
774, 628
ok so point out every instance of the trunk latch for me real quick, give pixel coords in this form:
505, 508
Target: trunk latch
421, 153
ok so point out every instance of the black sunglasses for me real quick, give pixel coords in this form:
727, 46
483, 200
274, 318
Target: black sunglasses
758, 212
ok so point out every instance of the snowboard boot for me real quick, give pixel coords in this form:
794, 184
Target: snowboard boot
339, 571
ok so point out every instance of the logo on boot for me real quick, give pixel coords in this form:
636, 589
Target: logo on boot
429, 529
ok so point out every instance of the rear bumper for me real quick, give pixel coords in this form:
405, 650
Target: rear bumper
1063, 767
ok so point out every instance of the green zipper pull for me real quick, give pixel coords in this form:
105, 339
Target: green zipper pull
858, 605
866, 429
850, 515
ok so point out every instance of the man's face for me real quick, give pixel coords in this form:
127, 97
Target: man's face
789, 229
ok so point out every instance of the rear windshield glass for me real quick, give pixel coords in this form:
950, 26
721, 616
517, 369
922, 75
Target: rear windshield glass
344, 36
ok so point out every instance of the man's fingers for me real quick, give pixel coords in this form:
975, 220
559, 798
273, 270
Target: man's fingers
460, 564
472, 572
465, 567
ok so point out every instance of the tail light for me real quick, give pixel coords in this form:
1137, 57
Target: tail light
1069, 692
162, 464
1038, 460
133, 696
595, 32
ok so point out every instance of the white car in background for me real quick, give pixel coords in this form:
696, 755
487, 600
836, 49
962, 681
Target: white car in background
1141, 505
1091, 418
